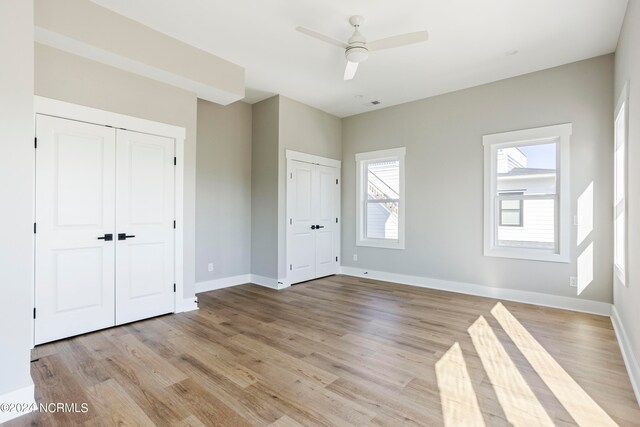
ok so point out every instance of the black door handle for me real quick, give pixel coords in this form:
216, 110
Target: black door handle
313, 227
319, 226
106, 237
124, 236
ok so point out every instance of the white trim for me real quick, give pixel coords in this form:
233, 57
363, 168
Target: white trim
267, 282
67, 44
313, 159
630, 361
23, 396
187, 304
622, 276
225, 282
66, 110
379, 155
560, 133
546, 300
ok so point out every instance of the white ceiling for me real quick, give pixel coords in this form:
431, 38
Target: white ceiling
468, 42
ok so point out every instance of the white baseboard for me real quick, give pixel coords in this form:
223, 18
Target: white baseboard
225, 282
23, 396
555, 301
630, 361
187, 304
268, 282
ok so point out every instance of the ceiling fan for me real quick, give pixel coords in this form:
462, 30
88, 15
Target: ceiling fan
356, 49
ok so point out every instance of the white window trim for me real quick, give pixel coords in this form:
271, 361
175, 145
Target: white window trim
533, 136
621, 275
361, 158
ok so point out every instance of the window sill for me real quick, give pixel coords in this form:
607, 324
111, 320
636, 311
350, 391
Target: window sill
532, 255
385, 244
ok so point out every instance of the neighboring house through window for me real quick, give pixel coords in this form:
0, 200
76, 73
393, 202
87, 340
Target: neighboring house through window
380, 210
527, 194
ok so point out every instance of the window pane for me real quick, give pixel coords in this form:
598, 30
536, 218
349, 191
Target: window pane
538, 230
383, 194
511, 204
620, 227
382, 220
510, 218
529, 169
383, 180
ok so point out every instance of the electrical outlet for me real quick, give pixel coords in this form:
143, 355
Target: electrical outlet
355, 257
210, 266
573, 282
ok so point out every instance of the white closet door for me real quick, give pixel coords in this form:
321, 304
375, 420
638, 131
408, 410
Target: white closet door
312, 206
326, 199
301, 242
144, 226
75, 196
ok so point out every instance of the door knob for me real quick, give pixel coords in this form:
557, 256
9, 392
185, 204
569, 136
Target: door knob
106, 237
313, 227
125, 236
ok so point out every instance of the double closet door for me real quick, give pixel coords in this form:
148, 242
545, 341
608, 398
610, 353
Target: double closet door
313, 207
104, 236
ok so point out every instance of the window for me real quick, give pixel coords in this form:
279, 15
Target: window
620, 187
527, 194
380, 188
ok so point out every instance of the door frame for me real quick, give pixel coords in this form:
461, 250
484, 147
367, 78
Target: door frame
315, 160
69, 111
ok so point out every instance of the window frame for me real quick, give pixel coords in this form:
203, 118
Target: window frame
622, 106
520, 211
362, 160
561, 134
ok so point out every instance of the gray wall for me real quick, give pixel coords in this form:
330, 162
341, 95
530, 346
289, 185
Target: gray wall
16, 174
70, 78
223, 190
308, 130
444, 176
264, 188
627, 299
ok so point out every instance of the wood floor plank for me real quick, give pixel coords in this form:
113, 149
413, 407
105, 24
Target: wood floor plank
338, 351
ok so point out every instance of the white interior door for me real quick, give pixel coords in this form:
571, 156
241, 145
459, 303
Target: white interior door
301, 237
144, 224
326, 197
313, 234
75, 199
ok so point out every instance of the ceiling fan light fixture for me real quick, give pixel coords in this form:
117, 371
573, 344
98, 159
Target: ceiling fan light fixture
356, 54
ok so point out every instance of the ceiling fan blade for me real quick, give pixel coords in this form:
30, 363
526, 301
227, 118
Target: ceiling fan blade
350, 70
397, 41
322, 37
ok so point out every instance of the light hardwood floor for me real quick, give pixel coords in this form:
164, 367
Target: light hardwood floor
342, 351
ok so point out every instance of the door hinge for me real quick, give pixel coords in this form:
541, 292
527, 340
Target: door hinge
174, 287
290, 267
35, 142
336, 181
34, 228
336, 259
291, 175
336, 220
175, 161
290, 221
174, 223
34, 312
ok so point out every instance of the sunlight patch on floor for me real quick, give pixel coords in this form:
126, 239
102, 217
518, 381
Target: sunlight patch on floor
576, 401
518, 401
459, 403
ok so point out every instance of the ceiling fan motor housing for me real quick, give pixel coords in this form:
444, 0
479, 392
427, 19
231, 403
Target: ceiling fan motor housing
357, 50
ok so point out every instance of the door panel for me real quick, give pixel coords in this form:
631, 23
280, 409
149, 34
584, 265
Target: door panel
75, 195
144, 213
327, 207
301, 245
